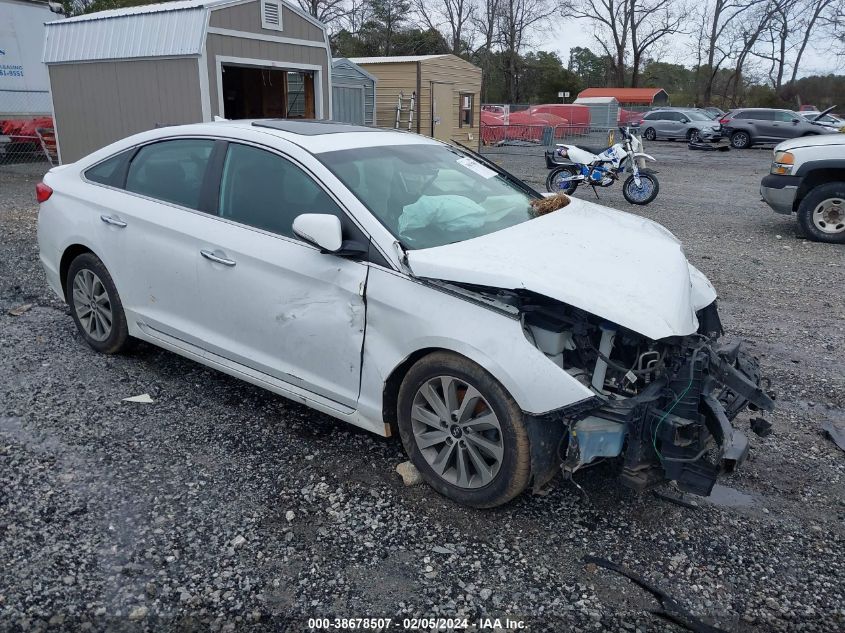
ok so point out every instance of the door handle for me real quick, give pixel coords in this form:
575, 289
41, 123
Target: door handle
217, 258
113, 221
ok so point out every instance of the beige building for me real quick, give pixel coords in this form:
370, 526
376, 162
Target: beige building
118, 72
447, 88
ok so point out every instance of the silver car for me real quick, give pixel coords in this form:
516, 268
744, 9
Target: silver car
691, 125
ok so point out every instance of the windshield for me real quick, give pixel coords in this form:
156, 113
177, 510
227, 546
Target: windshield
430, 195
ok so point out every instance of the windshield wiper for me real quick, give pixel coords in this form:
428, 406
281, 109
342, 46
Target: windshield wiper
489, 163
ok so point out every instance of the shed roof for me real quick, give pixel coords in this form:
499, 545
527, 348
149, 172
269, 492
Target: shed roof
587, 100
336, 61
624, 95
169, 29
394, 60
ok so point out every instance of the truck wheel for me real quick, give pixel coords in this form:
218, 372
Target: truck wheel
740, 140
821, 213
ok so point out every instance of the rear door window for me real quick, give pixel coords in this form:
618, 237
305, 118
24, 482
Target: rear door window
171, 171
111, 171
763, 115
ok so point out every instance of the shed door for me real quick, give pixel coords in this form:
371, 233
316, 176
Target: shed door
348, 104
442, 111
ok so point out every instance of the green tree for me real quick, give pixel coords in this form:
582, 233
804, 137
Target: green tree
543, 76
593, 70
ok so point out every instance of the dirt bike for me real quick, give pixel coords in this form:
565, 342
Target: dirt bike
602, 167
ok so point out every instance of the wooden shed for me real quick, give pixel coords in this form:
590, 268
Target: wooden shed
122, 71
447, 91
353, 93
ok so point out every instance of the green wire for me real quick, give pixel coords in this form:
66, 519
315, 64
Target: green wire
665, 415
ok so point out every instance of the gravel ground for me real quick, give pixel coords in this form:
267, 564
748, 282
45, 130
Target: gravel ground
223, 507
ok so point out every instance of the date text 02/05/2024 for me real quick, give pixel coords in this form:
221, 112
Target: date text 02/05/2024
413, 624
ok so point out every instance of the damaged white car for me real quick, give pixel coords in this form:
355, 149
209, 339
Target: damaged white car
392, 281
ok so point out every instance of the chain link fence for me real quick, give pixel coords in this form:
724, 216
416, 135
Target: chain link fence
27, 132
27, 141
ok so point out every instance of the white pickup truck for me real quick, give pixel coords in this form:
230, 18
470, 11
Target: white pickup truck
808, 178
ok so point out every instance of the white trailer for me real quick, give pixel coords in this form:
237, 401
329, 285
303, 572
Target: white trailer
24, 83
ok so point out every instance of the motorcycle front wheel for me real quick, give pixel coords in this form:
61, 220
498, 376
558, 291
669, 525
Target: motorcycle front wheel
556, 183
645, 193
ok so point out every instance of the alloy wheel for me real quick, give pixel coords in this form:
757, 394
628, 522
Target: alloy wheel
92, 304
829, 216
457, 432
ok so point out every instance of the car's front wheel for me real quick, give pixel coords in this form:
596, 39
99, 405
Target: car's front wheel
95, 305
822, 213
463, 431
649, 134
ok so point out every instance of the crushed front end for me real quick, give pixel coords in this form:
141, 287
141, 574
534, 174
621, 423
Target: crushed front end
664, 407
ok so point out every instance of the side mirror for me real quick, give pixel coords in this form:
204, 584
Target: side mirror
796, 120
320, 229
685, 120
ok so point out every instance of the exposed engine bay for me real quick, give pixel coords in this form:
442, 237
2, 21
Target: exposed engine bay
663, 406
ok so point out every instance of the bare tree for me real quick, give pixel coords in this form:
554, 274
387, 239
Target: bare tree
629, 29
612, 28
720, 15
326, 11
817, 12
453, 18
518, 21
651, 21
747, 35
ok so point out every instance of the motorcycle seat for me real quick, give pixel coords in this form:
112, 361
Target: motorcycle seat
592, 150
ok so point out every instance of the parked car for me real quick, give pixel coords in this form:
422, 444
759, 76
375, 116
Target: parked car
807, 177
690, 125
746, 127
392, 281
826, 119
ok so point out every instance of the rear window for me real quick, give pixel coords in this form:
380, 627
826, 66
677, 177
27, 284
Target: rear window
171, 171
111, 171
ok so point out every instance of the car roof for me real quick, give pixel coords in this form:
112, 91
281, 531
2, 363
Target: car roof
314, 136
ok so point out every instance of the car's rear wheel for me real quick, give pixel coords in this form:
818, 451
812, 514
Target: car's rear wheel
95, 305
463, 431
740, 140
821, 213
649, 134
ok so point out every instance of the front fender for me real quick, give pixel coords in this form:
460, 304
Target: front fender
405, 316
642, 155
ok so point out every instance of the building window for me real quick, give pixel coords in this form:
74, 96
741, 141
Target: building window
271, 15
466, 110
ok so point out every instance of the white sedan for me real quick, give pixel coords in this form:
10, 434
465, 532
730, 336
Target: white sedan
395, 282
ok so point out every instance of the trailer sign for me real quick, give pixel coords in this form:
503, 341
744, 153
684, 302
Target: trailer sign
21, 46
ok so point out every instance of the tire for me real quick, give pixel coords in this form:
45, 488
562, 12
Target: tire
554, 187
694, 136
500, 443
650, 134
821, 213
740, 140
95, 305
636, 197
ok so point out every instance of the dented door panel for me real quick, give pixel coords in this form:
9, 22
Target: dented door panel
286, 309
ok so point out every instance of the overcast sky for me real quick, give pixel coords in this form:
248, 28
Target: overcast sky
571, 33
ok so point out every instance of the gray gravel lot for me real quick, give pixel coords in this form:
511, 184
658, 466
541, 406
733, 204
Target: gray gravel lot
223, 507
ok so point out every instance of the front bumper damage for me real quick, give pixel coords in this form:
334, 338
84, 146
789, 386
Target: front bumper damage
679, 426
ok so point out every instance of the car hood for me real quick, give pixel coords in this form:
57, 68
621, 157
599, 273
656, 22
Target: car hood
811, 141
618, 266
